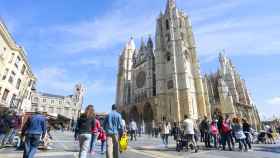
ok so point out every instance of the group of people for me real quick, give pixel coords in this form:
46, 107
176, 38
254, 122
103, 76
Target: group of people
10, 123
89, 129
184, 130
226, 132
217, 133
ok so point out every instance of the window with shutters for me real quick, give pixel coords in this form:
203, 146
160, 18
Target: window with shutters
18, 83
5, 94
5, 74
11, 78
23, 69
17, 62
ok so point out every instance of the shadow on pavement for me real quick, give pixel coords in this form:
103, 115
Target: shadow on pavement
273, 149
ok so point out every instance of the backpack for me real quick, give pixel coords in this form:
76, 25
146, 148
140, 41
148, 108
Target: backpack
225, 127
214, 130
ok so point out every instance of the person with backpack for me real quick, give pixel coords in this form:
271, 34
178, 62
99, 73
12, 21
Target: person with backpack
225, 132
214, 133
231, 134
247, 132
83, 129
239, 134
94, 136
34, 130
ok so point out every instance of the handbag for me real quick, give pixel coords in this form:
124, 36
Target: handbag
123, 143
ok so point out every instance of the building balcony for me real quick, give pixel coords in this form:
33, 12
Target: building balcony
4, 103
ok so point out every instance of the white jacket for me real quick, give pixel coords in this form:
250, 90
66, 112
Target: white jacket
188, 126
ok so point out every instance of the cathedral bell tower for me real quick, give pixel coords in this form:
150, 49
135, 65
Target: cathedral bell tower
124, 74
179, 83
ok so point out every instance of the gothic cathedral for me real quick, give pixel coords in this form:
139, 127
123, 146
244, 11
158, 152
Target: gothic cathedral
164, 80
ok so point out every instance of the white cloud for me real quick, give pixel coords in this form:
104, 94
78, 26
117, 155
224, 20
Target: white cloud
100, 86
89, 62
54, 80
103, 32
274, 101
57, 80
239, 36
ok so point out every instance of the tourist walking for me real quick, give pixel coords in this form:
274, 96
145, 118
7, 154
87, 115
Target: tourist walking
239, 134
231, 134
153, 128
164, 131
102, 138
214, 133
33, 130
176, 131
4, 129
14, 125
205, 129
188, 126
113, 126
247, 132
83, 129
94, 136
201, 131
133, 130
225, 131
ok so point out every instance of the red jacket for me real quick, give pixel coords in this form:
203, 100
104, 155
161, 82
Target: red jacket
102, 135
96, 127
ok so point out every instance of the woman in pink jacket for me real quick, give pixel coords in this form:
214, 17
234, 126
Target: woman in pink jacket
94, 136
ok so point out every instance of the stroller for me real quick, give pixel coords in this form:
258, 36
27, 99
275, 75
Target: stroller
184, 142
262, 137
181, 143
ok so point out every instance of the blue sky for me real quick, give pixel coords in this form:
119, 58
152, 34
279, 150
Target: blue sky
69, 41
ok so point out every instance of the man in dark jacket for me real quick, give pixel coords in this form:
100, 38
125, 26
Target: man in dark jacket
205, 128
34, 130
4, 128
14, 123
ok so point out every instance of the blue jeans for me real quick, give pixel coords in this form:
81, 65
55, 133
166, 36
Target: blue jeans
93, 141
225, 139
102, 146
164, 138
31, 144
12, 135
2, 137
84, 140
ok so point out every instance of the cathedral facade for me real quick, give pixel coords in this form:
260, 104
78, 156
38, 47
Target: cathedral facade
164, 79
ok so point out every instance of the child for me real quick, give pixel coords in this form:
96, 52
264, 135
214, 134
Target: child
102, 138
214, 132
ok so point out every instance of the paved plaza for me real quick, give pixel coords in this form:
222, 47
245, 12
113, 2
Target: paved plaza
145, 147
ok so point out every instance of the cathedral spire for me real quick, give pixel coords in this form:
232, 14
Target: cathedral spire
171, 4
142, 47
130, 44
150, 42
